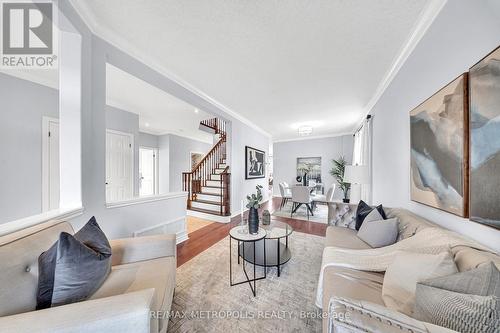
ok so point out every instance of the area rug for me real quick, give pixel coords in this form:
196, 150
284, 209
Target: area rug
320, 213
205, 302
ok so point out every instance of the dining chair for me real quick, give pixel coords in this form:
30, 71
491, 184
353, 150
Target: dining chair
288, 192
324, 198
284, 196
301, 196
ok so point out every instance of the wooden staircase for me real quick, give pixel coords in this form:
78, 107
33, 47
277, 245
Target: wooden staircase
208, 184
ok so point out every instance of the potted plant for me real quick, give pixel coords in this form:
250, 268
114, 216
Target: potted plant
337, 172
253, 204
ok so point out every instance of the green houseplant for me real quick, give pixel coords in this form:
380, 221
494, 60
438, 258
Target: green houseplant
337, 172
253, 204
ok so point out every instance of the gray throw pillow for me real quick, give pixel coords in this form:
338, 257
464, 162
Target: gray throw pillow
465, 302
379, 233
74, 267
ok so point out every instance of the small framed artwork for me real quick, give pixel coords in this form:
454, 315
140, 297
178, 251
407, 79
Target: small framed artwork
439, 149
484, 80
255, 163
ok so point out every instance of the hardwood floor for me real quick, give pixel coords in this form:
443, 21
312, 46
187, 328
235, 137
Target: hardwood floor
201, 239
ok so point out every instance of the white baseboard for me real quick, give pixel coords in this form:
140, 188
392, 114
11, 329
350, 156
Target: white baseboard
176, 226
210, 217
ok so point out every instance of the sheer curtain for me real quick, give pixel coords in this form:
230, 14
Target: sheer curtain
362, 155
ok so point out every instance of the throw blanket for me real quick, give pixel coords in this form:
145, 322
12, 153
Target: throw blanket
429, 240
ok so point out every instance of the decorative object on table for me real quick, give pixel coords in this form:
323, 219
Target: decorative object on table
309, 168
356, 175
337, 171
439, 149
484, 81
266, 217
253, 204
298, 179
255, 162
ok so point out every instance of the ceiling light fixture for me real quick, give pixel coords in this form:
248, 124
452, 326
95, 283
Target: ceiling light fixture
196, 110
305, 130
146, 124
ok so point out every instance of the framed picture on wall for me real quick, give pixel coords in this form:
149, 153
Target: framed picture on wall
310, 167
484, 82
439, 149
255, 163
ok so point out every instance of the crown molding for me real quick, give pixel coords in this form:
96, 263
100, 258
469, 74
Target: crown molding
113, 39
428, 15
313, 137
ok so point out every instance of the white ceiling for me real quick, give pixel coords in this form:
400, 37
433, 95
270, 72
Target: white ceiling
279, 64
159, 113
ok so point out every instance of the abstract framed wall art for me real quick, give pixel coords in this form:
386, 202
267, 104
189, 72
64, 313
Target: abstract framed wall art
485, 140
439, 149
255, 163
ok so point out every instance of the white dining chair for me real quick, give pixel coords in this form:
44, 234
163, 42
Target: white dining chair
284, 195
324, 198
301, 195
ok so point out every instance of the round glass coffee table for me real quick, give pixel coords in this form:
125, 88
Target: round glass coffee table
242, 236
275, 253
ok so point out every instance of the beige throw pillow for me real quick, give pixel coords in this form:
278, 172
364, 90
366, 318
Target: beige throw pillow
408, 268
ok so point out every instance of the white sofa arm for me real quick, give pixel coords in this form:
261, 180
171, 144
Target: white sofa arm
126, 313
347, 315
128, 250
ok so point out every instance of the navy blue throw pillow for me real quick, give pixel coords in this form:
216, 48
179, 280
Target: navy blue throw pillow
363, 210
74, 267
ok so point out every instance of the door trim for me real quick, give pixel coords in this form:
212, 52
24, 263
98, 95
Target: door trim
46, 161
132, 169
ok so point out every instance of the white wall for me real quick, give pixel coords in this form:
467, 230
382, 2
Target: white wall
242, 135
285, 158
463, 33
180, 158
148, 140
23, 104
119, 221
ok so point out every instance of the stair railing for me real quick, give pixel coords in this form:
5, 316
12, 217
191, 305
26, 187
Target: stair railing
218, 125
200, 174
225, 198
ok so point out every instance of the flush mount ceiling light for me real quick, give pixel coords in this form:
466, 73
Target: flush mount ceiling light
196, 110
305, 130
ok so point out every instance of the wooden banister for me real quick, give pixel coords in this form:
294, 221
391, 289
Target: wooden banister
225, 185
194, 181
218, 125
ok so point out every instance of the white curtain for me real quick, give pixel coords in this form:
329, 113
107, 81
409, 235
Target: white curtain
362, 155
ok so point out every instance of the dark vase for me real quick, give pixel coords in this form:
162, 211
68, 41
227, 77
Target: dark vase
253, 221
345, 200
304, 179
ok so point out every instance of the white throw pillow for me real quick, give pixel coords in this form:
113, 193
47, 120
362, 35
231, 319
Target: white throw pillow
379, 233
408, 268
373, 216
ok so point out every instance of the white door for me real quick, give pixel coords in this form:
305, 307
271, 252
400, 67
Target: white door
148, 171
119, 166
50, 167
